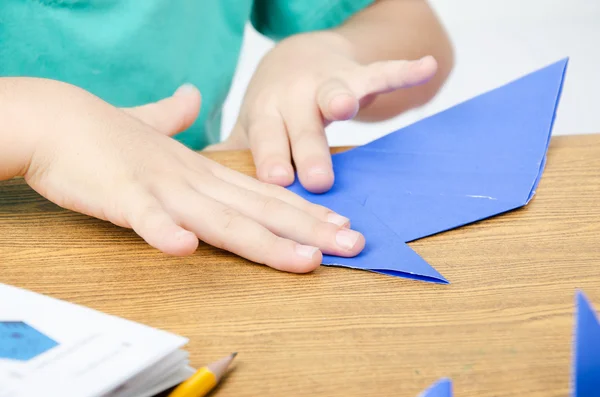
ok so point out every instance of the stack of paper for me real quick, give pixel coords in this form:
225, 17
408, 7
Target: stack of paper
49, 347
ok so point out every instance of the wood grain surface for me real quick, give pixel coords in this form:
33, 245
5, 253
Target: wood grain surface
503, 327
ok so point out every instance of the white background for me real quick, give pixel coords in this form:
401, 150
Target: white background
495, 41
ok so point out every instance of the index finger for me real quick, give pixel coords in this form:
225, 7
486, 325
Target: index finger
387, 76
309, 146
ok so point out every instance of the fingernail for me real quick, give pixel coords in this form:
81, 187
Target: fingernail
336, 219
346, 238
317, 171
181, 234
277, 171
306, 251
185, 89
424, 59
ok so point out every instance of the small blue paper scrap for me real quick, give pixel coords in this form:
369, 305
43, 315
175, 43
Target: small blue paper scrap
480, 158
586, 355
20, 341
586, 360
442, 388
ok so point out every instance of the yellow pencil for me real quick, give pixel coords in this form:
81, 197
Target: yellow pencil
203, 381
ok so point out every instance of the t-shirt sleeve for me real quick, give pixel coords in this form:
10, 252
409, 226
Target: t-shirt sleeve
278, 19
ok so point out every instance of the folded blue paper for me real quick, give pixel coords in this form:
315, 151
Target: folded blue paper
442, 388
477, 159
586, 355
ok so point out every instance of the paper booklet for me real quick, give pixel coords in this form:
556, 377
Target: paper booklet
49, 347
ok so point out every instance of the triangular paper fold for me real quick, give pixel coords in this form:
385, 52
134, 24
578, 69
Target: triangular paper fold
385, 247
475, 160
586, 355
442, 388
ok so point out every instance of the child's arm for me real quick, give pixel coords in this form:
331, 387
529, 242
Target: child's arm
310, 80
16, 142
120, 165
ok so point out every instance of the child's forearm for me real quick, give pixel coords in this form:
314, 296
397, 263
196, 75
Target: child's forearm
16, 142
399, 29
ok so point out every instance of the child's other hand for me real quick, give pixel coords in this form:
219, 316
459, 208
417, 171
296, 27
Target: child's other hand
302, 85
121, 165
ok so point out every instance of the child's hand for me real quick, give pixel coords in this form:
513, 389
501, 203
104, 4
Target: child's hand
120, 165
303, 84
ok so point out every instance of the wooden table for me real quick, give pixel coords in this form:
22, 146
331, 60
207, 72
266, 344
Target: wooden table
503, 327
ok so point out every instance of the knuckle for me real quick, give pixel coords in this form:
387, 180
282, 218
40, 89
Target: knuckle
274, 190
262, 106
376, 82
303, 84
274, 250
333, 87
264, 123
318, 210
304, 135
377, 76
320, 231
271, 205
141, 216
153, 219
200, 180
161, 187
231, 220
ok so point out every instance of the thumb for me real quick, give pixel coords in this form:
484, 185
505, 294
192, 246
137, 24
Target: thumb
172, 114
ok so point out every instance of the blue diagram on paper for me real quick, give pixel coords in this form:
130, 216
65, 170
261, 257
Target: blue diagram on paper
22, 342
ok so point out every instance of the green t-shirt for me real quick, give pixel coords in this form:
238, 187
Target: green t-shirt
131, 52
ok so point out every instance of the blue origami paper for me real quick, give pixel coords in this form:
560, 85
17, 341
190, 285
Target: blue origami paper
475, 160
586, 355
442, 388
